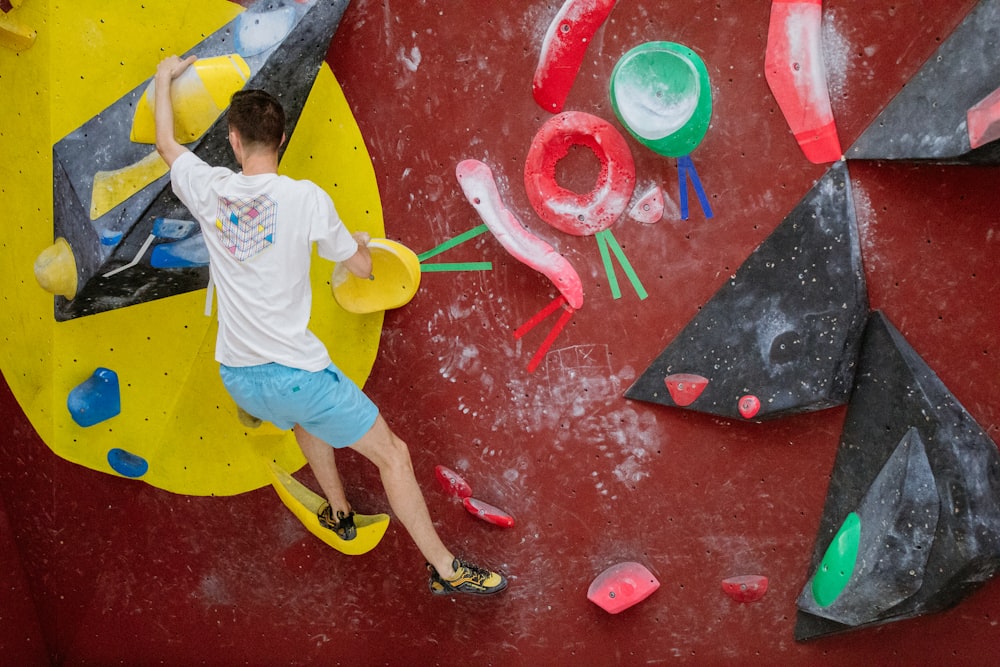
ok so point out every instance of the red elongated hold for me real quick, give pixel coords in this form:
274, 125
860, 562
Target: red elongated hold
622, 586
795, 71
563, 48
488, 513
749, 406
452, 483
685, 388
745, 587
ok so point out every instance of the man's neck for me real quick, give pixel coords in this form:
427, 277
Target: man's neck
255, 165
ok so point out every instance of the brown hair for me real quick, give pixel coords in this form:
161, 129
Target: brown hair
258, 118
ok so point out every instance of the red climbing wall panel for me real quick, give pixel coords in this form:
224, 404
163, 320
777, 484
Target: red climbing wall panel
121, 571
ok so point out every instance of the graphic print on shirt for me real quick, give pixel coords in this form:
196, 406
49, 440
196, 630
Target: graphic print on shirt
246, 225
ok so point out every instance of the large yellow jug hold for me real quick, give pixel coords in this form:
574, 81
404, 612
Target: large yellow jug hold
199, 95
55, 269
393, 283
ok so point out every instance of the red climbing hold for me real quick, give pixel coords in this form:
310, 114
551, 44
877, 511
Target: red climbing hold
685, 388
749, 406
983, 120
566, 210
452, 483
488, 513
745, 588
563, 49
622, 586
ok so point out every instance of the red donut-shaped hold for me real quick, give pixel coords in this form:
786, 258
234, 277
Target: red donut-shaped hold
568, 211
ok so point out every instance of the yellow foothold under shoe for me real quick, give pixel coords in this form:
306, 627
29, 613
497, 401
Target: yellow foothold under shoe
55, 269
306, 506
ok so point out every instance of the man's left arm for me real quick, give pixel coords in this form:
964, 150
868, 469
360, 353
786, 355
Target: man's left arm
163, 108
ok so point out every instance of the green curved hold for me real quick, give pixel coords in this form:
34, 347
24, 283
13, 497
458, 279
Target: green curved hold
661, 93
837, 566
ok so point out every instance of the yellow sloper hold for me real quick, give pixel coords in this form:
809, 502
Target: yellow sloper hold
112, 188
14, 35
200, 95
304, 504
55, 269
394, 282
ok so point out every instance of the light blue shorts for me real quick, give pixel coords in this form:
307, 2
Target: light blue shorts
326, 403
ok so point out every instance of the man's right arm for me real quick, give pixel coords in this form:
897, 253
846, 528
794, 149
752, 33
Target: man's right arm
163, 109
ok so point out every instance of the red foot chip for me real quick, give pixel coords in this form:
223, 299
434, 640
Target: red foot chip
749, 406
621, 586
685, 388
488, 512
745, 588
452, 483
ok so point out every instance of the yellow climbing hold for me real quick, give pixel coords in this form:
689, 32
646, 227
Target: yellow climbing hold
200, 95
394, 282
112, 188
55, 269
305, 505
14, 34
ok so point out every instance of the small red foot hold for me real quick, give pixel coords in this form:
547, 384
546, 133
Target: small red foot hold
983, 120
685, 388
745, 588
488, 512
451, 482
622, 586
749, 406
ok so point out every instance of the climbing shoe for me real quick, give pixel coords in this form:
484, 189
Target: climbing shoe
469, 579
342, 524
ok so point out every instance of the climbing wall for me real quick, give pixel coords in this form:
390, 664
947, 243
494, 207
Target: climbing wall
511, 369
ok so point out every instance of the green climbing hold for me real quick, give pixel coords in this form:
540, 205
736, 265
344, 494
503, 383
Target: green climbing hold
661, 94
837, 566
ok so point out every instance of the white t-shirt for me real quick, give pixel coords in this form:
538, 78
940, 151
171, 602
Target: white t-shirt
259, 231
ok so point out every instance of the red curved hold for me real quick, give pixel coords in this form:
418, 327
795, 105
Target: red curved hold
563, 48
795, 71
566, 210
983, 120
480, 188
745, 588
452, 483
488, 513
685, 388
622, 586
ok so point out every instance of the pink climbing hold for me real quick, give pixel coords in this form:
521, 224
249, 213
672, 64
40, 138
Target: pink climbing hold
746, 587
749, 406
479, 186
622, 586
795, 71
568, 211
984, 120
452, 483
563, 48
488, 513
685, 388
649, 208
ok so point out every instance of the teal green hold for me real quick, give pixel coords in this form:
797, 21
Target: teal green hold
661, 93
837, 566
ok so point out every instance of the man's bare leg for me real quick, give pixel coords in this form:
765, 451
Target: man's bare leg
392, 457
321, 459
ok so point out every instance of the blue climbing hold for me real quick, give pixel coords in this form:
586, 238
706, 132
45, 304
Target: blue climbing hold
180, 254
95, 400
169, 228
126, 463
